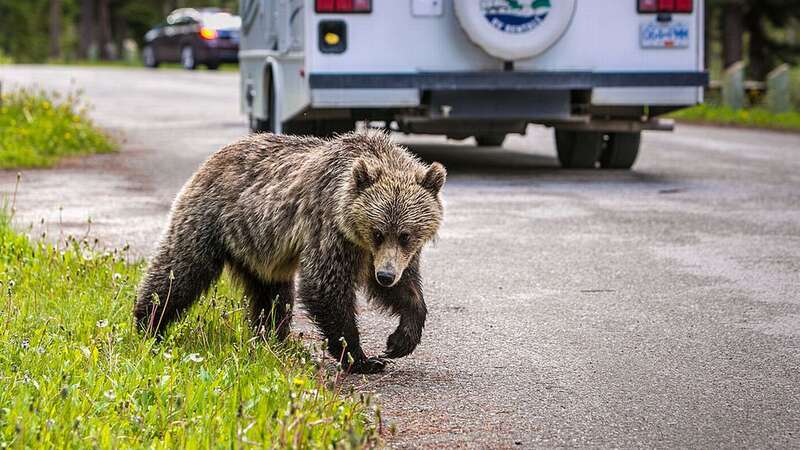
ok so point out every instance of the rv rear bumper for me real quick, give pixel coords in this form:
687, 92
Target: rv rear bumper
506, 81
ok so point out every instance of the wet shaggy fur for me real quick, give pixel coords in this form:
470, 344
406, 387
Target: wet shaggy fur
348, 214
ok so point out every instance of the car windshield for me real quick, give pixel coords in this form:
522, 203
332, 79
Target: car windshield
222, 21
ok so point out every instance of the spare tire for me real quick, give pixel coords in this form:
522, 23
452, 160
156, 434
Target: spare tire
514, 29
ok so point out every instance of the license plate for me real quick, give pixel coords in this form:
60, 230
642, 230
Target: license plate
664, 35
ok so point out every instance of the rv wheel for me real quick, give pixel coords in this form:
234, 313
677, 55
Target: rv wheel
578, 149
621, 150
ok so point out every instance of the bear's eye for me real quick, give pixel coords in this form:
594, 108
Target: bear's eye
404, 239
377, 236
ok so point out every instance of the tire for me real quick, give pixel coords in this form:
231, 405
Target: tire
621, 150
578, 149
149, 57
260, 125
490, 140
513, 33
266, 125
212, 66
188, 60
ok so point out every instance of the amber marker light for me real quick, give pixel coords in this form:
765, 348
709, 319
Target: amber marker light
331, 38
208, 33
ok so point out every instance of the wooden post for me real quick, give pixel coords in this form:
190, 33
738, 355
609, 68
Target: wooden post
733, 86
778, 93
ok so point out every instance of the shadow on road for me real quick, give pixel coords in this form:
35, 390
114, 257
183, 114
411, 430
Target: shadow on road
498, 164
465, 159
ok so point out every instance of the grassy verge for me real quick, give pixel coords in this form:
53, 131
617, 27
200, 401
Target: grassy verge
74, 373
755, 117
38, 128
227, 67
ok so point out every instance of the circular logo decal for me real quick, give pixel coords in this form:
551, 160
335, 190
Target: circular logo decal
515, 16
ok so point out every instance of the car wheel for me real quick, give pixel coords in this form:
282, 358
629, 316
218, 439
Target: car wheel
212, 66
490, 140
149, 57
265, 125
578, 149
188, 60
260, 125
621, 150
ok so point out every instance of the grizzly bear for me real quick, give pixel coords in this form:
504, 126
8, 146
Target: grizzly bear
350, 214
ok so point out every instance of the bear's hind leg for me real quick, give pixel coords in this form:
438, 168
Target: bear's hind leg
192, 270
271, 303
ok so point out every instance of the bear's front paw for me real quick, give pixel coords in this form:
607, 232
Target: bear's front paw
368, 365
400, 344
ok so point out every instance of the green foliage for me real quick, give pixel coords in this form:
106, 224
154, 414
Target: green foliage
756, 117
24, 29
5, 59
37, 128
75, 374
794, 86
25, 23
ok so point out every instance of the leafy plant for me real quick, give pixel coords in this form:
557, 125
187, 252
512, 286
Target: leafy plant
37, 128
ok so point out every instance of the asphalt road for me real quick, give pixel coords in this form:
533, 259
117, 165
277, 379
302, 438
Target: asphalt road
654, 308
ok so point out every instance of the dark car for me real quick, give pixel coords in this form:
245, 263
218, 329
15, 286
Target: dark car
192, 37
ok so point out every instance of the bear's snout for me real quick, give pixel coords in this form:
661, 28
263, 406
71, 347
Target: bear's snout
385, 277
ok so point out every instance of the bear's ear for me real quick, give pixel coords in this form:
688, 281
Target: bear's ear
434, 178
362, 175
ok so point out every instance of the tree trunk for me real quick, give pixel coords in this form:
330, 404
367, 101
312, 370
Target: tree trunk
55, 28
104, 27
732, 30
758, 54
710, 31
86, 38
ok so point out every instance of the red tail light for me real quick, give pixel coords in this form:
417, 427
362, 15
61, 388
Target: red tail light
343, 6
665, 6
208, 33
684, 6
648, 6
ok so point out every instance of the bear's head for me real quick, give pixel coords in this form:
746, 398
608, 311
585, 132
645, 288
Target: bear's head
394, 209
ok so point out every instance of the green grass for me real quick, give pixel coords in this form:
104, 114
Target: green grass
227, 67
38, 128
75, 374
754, 117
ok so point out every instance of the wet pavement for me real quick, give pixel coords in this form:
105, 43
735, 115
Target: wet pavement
652, 308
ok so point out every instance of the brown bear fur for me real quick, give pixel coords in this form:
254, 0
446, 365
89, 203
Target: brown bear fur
348, 214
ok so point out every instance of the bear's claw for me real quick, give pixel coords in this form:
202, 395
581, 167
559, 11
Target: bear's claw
399, 344
374, 364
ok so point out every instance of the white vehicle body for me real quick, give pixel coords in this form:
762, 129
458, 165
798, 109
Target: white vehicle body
415, 65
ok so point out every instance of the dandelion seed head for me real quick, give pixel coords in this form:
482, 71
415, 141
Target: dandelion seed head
194, 357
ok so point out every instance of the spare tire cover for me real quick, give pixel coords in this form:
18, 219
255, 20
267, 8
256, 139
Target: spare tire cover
514, 29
